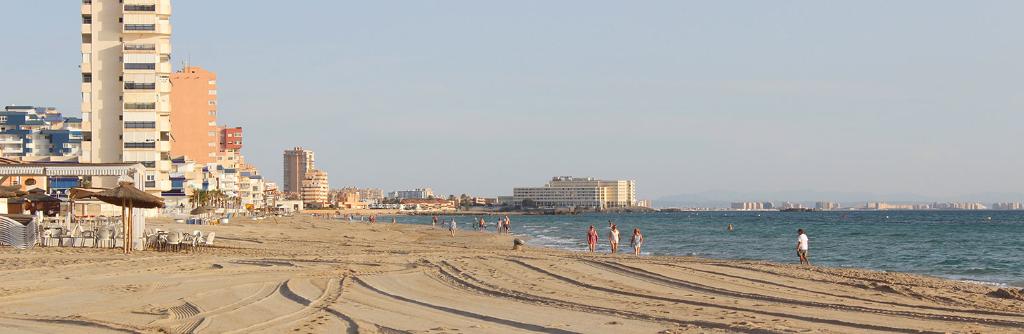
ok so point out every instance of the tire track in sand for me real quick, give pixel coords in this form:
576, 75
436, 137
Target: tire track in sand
732, 308
476, 316
480, 286
673, 282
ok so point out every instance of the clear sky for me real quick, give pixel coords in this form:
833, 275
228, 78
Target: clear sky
683, 96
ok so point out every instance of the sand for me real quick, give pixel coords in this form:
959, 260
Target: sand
305, 275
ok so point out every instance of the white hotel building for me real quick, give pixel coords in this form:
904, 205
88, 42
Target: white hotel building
572, 192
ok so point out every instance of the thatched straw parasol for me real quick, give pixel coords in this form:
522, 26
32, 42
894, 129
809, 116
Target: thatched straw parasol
128, 197
11, 191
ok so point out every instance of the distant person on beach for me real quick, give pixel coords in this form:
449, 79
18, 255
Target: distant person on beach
394, 220
729, 228
801, 247
452, 227
636, 241
498, 225
613, 238
508, 225
434, 223
483, 225
592, 238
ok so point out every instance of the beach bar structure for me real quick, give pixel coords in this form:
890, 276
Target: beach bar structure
135, 171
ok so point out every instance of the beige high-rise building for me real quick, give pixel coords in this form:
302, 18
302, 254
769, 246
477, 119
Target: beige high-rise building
315, 189
297, 162
194, 121
567, 191
126, 107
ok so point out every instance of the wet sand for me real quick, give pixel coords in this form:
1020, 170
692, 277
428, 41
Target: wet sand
306, 275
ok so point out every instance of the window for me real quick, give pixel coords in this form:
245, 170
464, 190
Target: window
86, 77
139, 125
212, 82
139, 85
212, 102
139, 8
211, 133
140, 145
140, 106
139, 66
212, 92
213, 113
3, 119
140, 27
86, 19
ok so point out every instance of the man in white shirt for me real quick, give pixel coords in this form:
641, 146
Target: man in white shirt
801, 247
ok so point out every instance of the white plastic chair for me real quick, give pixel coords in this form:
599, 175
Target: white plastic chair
174, 240
209, 239
105, 239
197, 239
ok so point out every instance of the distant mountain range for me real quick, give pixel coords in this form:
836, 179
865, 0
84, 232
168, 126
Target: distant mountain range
722, 199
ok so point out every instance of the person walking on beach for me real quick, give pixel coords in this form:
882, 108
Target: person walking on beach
483, 225
636, 241
801, 247
592, 239
613, 238
452, 227
434, 223
498, 225
394, 220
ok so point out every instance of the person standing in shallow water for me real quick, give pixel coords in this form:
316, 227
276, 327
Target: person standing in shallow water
801, 247
613, 238
636, 241
592, 239
452, 227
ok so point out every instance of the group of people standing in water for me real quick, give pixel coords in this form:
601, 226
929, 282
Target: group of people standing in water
636, 241
502, 226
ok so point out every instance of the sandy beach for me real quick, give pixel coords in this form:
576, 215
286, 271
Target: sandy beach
307, 275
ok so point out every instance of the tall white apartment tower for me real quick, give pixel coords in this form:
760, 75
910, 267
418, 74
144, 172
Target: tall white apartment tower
126, 89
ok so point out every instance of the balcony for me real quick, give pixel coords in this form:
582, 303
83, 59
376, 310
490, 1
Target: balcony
86, 28
139, 85
86, 8
86, 67
140, 8
87, 87
139, 47
163, 146
140, 28
139, 66
164, 67
86, 47
140, 106
140, 145
163, 165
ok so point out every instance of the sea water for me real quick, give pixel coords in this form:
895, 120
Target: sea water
983, 246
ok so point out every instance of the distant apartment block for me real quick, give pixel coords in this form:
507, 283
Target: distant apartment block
230, 139
421, 193
827, 206
368, 195
126, 88
747, 206
567, 191
959, 206
888, 206
194, 120
1008, 206
297, 162
37, 133
315, 189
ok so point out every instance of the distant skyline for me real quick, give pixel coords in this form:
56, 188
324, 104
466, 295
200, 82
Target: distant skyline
910, 97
